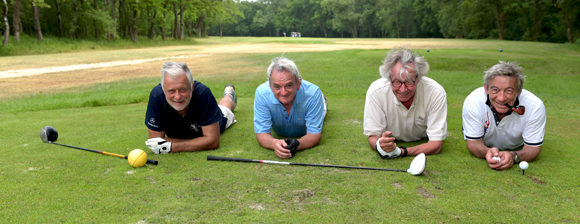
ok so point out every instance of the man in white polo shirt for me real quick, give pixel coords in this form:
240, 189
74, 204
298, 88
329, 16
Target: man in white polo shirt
405, 105
502, 115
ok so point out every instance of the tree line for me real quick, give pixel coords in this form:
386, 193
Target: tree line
533, 20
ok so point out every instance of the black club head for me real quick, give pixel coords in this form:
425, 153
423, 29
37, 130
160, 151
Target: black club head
48, 134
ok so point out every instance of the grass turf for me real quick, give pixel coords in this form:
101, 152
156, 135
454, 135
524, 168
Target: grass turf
49, 183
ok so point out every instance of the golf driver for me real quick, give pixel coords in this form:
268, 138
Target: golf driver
417, 165
49, 135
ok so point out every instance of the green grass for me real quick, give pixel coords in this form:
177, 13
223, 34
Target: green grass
49, 183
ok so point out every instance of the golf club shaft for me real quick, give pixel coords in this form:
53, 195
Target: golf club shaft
298, 164
154, 162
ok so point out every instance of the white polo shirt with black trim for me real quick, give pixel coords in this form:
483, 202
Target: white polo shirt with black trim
509, 133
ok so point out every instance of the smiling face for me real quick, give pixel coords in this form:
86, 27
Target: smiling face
284, 86
502, 90
177, 92
404, 93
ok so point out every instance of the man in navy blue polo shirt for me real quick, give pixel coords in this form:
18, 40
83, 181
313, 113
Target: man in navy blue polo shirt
182, 114
289, 106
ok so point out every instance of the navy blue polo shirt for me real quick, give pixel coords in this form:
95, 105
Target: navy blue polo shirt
203, 110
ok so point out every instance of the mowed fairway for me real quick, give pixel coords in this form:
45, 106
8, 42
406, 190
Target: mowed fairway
103, 108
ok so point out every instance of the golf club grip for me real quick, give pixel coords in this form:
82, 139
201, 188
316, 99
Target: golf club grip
231, 159
153, 162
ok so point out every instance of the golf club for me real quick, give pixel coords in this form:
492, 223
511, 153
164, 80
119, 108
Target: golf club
417, 165
49, 135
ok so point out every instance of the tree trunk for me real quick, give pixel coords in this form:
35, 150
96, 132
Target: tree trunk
370, 29
59, 18
6, 25
568, 22
122, 27
397, 17
181, 22
501, 20
74, 31
16, 20
152, 27
134, 31
221, 29
537, 21
110, 35
176, 21
95, 21
36, 13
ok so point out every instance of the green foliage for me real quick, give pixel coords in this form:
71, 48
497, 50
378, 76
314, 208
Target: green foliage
49, 183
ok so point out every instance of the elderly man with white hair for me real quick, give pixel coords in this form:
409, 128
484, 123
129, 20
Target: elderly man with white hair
182, 113
404, 105
291, 107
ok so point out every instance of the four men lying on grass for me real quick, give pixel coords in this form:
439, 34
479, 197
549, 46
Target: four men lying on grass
402, 106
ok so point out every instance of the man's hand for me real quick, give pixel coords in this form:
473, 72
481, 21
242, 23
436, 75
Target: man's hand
387, 143
158, 145
506, 162
280, 149
292, 145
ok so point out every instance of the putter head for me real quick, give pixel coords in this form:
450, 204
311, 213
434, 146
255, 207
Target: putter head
418, 165
48, 134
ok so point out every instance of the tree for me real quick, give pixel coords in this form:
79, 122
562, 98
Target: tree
6, 25
36, 6
16, 24
558, 4
346, 14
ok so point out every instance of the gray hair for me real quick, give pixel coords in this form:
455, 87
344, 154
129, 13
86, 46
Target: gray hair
175, 69
509, 69
404, 56
284, 64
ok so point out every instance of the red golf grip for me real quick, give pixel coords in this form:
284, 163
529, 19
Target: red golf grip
231, 159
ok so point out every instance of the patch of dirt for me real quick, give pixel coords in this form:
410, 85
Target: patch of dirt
424, 192
302, 195
257, 207
398, 185
537, 181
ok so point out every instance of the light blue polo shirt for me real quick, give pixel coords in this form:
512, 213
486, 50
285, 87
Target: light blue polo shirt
306, 115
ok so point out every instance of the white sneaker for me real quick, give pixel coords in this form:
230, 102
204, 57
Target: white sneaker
230, 89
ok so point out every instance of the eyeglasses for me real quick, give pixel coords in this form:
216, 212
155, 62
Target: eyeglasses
407, 83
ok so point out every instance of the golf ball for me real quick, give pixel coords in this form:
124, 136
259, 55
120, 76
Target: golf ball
496, 158
500, 50
524, 165
427, 50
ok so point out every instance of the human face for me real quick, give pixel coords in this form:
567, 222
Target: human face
502, 90
284, 85
177, 91
404, 93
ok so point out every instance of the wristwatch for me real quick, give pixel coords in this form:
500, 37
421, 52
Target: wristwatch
516, 157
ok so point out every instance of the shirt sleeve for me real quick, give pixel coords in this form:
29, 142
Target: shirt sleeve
437, 118
535, 128
153, 119
375, 119
473, 128
210, 111
315, 113
262, 116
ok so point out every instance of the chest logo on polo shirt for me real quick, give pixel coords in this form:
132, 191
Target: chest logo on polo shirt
195, 127
486, 124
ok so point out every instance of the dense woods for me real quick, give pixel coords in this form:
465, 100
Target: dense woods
532, 20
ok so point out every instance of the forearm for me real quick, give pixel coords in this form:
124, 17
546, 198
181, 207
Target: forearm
266, 140
429, 148
373, 141
309, 140
192, 145
529, 153
477, 148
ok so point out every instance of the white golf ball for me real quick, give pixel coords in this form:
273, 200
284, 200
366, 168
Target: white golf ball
496, 158
524, 165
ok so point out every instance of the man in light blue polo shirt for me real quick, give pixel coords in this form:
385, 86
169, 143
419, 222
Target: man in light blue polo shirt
290, 106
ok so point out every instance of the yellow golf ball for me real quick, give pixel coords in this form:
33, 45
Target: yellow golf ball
137, 158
